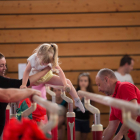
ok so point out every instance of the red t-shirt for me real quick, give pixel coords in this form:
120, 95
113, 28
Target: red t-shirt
125, 91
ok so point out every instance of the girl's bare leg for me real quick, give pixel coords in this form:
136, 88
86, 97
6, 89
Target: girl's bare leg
78, 135
84, 136
55, 80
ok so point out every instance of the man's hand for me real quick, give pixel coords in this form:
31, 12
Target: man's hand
109, 132
34, 92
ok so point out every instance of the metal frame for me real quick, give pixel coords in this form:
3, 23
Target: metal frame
126, 107
97, 128
70, 114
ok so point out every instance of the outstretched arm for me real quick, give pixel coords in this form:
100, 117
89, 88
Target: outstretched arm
26, 75
110, 130
15, 95
38, 75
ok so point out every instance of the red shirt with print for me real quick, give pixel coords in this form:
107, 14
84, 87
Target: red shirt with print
125, 91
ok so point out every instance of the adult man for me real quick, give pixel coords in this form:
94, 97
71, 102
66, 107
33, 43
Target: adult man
126, 66
122, 74
14, 95
109, 85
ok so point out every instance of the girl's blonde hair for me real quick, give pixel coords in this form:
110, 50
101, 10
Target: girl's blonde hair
45, 52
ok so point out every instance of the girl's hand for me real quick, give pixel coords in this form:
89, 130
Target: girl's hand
57, 69
67, 88
23, 87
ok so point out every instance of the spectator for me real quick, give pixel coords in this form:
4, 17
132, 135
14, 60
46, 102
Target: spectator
82, 127
122, 74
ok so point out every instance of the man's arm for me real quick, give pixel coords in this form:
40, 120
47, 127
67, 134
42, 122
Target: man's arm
38, 75
124, 129
110, 130
15, 95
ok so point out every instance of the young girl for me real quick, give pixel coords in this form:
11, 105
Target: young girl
82, 127
46, 55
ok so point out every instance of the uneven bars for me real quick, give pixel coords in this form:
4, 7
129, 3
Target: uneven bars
109, 101
51, 107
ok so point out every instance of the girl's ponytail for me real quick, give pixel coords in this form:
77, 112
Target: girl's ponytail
55, 56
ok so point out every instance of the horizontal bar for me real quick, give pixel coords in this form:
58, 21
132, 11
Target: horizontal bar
51, 107
128, 121
63, 95
67, 99
90, 108
109, 101
50, 92
67, 89
28, 111
54, 86
53, 121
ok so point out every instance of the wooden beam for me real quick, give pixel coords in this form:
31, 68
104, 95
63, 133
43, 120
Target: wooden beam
68, 35
70, 6
80, 63
69, 20
75, 49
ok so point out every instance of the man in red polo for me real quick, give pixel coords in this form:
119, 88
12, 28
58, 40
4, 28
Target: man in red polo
108, 84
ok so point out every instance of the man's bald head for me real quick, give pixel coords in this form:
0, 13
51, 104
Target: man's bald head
106, 81
106, 72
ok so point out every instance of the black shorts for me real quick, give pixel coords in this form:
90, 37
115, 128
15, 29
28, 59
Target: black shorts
82, 126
